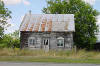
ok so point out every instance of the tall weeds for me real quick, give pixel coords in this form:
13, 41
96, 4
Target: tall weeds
81, 54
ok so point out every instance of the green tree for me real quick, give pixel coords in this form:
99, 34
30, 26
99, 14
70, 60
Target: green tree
4, 16
6, 41
10, 40
16, 39
85, 21
15, 34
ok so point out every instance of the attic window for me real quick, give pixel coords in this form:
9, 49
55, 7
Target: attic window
60, 42
31, 41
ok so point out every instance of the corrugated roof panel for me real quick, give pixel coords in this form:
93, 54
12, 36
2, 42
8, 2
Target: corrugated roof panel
30, 29
25, 28
24, 21
37, 27
50, 25
48, 22
66, 26
43, 25
57, 26
61, 18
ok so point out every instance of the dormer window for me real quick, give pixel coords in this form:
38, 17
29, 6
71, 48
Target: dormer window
60, 42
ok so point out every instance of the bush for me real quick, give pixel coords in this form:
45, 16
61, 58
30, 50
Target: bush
9, 42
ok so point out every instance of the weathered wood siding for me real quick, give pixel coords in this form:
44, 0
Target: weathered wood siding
68, 39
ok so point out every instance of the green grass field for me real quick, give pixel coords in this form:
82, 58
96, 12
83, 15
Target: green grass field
81, 56
48, 59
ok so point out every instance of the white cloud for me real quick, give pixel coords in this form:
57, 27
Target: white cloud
14, 2
26, 2
91, 2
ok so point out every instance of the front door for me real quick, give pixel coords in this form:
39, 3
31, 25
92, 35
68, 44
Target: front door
46, 44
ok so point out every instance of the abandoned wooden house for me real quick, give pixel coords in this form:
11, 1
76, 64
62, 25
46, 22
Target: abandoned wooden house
47, 31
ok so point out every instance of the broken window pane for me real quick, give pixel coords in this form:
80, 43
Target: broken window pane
46, 41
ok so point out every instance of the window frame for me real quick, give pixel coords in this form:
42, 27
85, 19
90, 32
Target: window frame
45, 40
62, 39
34, 42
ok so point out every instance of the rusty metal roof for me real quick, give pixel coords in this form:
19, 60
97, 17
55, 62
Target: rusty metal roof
48, 22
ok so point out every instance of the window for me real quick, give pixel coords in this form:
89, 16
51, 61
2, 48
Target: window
45, 41
60, 42
31, 41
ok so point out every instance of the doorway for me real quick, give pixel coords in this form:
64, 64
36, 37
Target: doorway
46, 43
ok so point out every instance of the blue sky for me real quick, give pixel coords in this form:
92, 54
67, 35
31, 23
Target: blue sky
20, 7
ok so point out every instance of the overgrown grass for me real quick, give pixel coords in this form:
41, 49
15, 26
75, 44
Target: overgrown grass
81, 56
